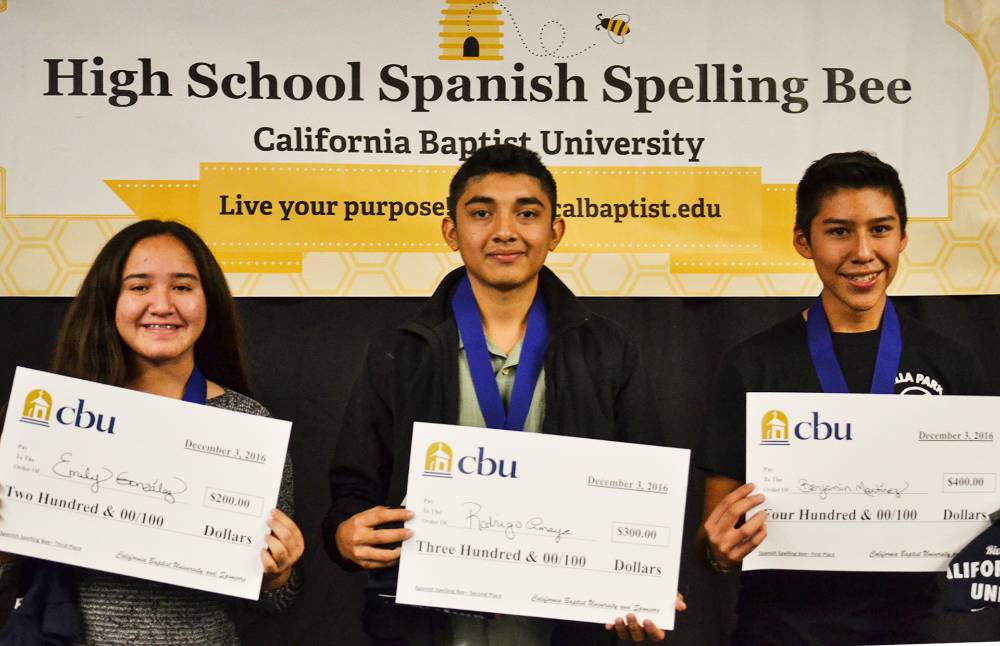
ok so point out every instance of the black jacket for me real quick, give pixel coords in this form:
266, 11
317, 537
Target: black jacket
593, 388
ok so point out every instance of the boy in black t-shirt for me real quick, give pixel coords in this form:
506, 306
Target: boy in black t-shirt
851, 221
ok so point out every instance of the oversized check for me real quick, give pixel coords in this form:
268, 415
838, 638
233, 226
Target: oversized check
136, 484
871, 482
542, 525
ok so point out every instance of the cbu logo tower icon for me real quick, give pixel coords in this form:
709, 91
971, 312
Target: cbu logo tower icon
437, 460
774, 428
37, 408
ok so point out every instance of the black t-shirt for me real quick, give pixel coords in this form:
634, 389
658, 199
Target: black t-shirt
791, 607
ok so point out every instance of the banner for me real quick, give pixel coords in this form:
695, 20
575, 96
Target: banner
311, 145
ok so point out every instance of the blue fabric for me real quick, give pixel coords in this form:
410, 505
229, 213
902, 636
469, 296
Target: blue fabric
536, 337
196, 388
831, 377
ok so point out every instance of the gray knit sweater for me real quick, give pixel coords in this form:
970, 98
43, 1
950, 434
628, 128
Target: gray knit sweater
118, 609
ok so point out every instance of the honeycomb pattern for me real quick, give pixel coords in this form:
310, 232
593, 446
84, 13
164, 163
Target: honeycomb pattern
33, 269
48, 255
323, 273
605, 274
965, 268
994, 286
418, 274
927, 247
78, 242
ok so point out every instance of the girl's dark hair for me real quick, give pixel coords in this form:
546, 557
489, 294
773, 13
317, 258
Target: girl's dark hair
89, 346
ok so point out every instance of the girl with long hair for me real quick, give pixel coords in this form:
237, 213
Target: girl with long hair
152, 314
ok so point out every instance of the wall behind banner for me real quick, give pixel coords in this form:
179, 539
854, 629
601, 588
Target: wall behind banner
305, 354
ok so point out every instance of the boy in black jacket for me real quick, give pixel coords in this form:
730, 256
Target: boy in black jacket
587, 384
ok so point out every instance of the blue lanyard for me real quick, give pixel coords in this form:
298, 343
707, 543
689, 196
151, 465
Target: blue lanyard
196, 388
831, 377
536, 336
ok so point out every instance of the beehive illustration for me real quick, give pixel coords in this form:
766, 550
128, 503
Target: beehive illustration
470, 31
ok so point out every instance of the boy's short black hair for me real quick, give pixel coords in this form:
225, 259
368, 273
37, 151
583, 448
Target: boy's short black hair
858, 169
501, 158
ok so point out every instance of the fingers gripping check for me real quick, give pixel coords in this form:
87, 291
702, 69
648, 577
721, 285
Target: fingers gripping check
728, 540
361, 540
285, 546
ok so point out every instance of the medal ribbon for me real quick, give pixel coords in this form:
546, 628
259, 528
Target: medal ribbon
196, 388
831, 377
536, 336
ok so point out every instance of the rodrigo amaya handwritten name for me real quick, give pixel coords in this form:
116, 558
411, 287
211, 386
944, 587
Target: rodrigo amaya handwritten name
480, 521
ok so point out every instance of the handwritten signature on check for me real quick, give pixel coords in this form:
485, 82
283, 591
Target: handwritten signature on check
880, 489
480, 521
68, 468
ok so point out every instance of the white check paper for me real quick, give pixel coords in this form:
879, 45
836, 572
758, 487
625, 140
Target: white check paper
871, 482
543, 525
136, 484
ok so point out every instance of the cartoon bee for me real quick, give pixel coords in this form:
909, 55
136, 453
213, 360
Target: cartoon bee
616, 25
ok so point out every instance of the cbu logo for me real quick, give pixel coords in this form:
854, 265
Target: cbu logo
814, 429
38, 411
438, 462
81, 418
481, 465
774, 429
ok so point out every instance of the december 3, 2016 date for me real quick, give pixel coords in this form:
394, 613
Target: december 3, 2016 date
236, 453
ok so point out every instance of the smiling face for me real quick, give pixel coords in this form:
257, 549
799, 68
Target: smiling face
503, 229
854, 241
161, 308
